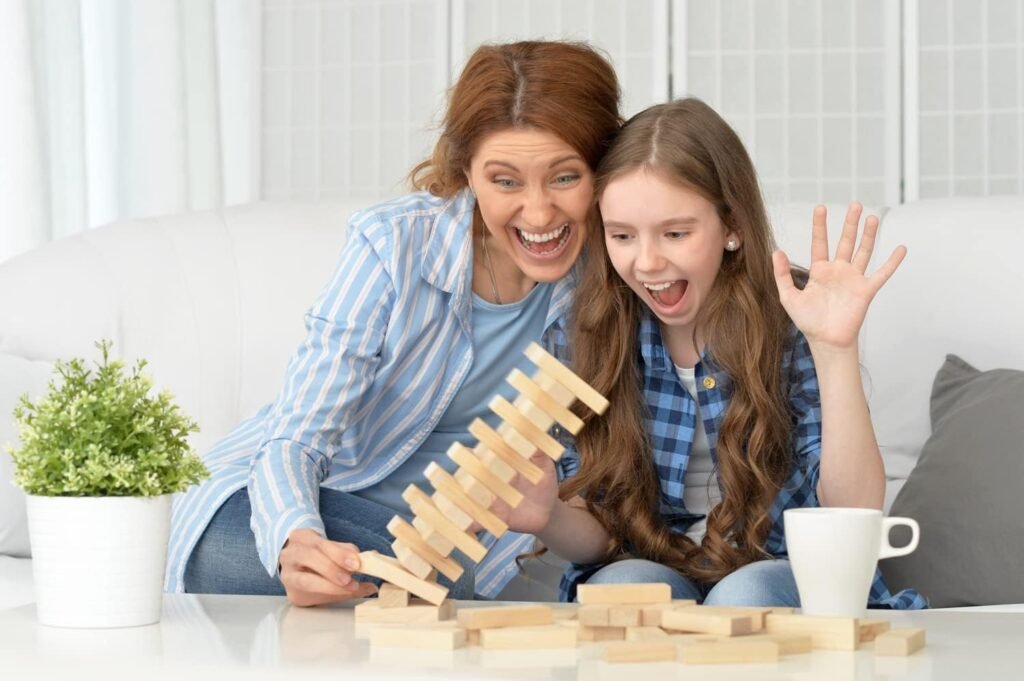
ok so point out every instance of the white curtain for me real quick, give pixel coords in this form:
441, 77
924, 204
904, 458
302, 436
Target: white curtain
118, 109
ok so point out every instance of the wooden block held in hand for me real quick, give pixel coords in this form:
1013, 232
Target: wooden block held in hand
615, 594
422, 506
512, 416
475, 467
505, 616
389, 569
405, 532
434, 539
567, 378
390, 596
410, 560
533, 392
504, 451
900, 642
451, 511
443, 482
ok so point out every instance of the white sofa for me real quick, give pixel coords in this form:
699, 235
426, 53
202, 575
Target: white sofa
215, 301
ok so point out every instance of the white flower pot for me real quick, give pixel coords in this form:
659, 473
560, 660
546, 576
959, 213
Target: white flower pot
98, 561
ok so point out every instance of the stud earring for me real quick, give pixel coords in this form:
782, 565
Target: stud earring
731, 245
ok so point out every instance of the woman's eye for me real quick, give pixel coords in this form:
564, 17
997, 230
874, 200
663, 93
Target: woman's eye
504, 182
566, 179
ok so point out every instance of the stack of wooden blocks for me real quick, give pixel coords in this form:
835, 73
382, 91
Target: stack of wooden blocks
443, 520
637, 623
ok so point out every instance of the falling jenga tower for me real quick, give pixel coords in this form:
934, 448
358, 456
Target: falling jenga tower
442, 519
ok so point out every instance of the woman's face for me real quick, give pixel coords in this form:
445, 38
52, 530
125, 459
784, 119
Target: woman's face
667, 242
534, 192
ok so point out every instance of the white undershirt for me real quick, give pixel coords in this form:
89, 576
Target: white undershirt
700, 487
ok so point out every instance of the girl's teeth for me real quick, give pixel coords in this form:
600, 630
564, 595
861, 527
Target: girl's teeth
659, 287
542, 238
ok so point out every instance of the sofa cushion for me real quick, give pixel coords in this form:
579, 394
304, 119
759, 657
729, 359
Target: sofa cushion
966, 492
17, 377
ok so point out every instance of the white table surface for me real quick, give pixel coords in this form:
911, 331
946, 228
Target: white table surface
262, 637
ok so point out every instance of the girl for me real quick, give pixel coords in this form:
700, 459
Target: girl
434, 297
735, 392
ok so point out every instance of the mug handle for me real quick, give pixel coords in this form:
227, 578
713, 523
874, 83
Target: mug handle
888, 550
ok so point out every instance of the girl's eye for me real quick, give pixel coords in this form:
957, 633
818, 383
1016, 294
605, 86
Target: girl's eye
619, 237
675, 236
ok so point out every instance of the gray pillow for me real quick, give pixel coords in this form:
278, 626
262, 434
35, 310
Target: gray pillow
967, 492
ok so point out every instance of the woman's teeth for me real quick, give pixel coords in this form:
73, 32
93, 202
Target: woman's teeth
549, 242
541, 238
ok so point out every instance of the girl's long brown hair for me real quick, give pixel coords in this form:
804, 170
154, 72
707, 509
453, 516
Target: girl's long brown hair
744, 326
566, 88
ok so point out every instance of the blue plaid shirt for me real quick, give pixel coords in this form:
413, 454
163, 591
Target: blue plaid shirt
671, 423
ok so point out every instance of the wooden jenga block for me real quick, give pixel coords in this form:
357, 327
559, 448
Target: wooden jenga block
435, 539
594, 615
900, 642
422, 506
650, 615
645, 633
390, 596
445, 483
504, 451
417, 612
451, 511
624, 616
423, 637
871, 629
533, 392
475, 467
697, 621
563, 375
756, 615
730, 652
389, 569
474, 488
640, 651
411, 538
544, 442
827, 633
505, 616
781, 610
789, 644
550, 636
586, 633
615, 594
410, 560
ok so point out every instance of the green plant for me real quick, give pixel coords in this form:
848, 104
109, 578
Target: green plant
101, 433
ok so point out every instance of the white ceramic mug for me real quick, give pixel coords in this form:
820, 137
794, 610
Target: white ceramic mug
834, 552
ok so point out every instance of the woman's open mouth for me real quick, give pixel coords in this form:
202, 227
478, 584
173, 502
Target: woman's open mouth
546, 244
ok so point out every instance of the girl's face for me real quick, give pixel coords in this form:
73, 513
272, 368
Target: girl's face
534, 192
666, 242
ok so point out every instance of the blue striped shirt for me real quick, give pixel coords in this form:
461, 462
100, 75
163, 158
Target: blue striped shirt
671, 423
388, 345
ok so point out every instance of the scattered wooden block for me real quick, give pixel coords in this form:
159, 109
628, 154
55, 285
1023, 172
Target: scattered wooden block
390, 596
410, 537
512, 416
567, 378
616, 594
731, 652
827, 633
443, 482
900, 642
639, 651
475, 467
645, 633
593, 615
505, 616
504, 451
410, 560
718, 623
551, 636
781, 610
422, 506
650, 615
624, 616
422, 637
871, 629
533, 392
789, 644
756, 615
586, 633
417, 612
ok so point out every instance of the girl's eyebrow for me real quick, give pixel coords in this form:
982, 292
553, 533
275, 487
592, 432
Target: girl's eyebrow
668, 222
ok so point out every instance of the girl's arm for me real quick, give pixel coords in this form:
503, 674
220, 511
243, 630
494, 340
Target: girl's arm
830, 311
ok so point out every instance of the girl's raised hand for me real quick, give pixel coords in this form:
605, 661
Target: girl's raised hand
831, 308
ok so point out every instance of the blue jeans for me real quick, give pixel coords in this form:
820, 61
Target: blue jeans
225, 560
762, 583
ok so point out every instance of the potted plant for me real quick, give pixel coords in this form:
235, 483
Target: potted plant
99, 459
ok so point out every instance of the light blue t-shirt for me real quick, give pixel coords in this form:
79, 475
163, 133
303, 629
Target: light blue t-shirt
500, 334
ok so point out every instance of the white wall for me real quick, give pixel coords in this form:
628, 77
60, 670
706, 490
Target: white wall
876, 100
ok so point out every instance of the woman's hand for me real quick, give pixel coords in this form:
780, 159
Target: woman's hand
830, 310
534, 512
315, 570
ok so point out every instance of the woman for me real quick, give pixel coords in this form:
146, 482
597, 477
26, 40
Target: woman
434, 298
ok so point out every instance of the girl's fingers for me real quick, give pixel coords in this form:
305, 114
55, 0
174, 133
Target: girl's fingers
867, 244
783, 276
844, 251
819, 235
888, 268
